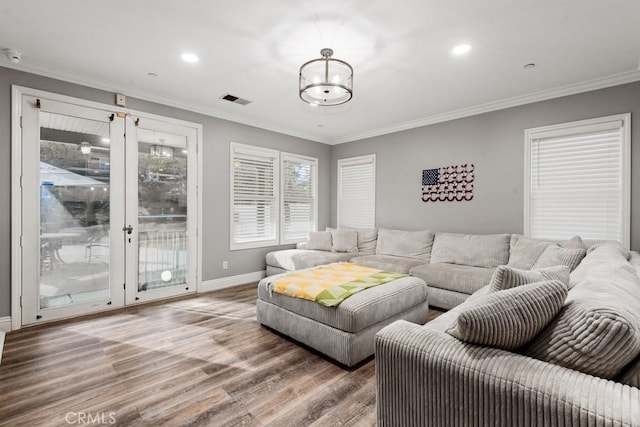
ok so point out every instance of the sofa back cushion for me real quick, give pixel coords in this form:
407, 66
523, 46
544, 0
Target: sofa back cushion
598, 329
367, 239
408, 244
489, 251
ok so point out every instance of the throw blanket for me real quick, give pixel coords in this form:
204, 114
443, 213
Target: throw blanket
331, 284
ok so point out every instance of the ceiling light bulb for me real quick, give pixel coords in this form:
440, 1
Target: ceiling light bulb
189, 57
461, 49
107, 140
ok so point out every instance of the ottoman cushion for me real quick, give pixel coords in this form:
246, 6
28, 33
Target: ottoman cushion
360, 310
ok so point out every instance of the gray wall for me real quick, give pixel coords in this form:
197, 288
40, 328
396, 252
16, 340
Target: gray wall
215, 189
494, 142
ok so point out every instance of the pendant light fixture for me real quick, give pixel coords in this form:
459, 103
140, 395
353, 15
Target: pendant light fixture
326, 81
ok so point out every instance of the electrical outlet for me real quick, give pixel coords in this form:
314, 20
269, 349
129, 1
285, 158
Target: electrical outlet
225, 265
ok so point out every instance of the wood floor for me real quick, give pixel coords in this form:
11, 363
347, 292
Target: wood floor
197, 361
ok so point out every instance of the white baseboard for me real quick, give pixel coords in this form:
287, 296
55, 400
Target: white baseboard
227, 282
5, 324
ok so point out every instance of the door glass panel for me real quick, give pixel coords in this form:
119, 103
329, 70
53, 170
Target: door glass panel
74, 210
162, 210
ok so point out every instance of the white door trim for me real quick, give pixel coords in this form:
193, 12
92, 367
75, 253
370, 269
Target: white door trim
17, 92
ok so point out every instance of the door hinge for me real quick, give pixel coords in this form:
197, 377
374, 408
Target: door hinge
38, 105
124, 286
20, 301
20, 181
21, 240
20, 122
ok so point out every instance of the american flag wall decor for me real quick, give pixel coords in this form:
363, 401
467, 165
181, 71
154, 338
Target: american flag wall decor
448, 183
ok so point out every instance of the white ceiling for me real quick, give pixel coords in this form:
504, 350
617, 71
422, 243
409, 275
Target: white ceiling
404, 73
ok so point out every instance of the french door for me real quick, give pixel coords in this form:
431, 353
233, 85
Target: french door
109, 209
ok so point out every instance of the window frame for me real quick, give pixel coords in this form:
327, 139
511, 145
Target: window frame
582, 126
368, 158
313, 161
258, 151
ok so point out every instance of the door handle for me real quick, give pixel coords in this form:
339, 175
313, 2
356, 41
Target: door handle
128, 229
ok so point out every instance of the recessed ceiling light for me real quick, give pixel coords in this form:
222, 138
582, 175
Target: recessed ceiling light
152, 75
461, 49
189, 57
529, 66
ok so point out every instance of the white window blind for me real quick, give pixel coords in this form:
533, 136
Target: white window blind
299, 191
357, 191
579, 180
254, 196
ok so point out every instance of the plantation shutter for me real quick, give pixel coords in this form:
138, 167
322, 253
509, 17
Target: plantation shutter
357, 191
578, 182
254, 204
299, 197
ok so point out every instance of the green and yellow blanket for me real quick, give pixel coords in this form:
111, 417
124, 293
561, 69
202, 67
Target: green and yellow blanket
331, 284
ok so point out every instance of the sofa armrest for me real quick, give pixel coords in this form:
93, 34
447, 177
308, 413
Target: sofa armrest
426, 377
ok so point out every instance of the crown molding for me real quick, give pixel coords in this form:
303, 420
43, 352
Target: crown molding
572, 89
148, 96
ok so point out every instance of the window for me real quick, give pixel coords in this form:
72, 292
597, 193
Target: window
254, 196
577, 179
357, 191
298, 197
268, 208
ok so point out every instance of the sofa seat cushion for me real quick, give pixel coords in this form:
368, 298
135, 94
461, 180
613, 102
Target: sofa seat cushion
510, 318
360, 310
488, 251
459, 278
298, 259
388, 263
598, 329
406, 244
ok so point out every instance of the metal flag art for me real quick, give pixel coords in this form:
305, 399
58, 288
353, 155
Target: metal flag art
448, 183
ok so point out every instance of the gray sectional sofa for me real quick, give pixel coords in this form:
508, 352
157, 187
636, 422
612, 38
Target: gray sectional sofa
579, 365
454, 266
538, 332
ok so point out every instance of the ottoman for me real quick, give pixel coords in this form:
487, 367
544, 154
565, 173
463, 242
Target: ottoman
344, 333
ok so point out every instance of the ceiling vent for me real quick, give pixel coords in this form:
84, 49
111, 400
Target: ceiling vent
235, 99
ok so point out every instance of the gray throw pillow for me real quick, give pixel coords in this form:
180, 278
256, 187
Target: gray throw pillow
557, 255
367, 239
344, 241
510, 319
319, 241
525, 251
573, 243
506, 277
